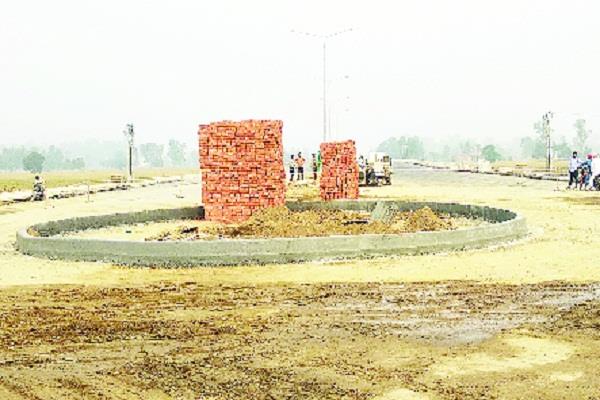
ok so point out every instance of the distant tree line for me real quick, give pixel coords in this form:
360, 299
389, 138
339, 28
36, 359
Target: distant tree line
93, 154
35, 160
460, 149
403, 147
176, 154
414, 147
535, 146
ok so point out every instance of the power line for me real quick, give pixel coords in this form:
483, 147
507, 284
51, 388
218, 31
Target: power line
324, 38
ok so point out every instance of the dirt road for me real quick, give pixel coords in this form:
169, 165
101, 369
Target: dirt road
516, 322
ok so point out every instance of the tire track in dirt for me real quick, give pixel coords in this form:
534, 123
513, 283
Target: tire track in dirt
227, 341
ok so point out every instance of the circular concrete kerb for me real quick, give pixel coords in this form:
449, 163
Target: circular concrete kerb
505, 225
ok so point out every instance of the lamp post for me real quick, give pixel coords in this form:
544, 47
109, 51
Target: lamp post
129, 134
547, 132
324, 38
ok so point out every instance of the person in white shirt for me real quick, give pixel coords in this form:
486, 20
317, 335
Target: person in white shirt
573, 165
595, 169
361, 162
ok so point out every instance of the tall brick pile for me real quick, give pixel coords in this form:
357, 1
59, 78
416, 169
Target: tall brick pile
242, 168
339, 174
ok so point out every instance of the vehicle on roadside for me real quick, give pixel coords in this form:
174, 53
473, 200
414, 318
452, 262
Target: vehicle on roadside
375, 170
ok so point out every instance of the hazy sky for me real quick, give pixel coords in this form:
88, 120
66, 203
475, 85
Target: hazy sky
487, 69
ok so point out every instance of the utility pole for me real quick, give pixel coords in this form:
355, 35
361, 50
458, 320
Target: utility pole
324, 90
129, 134
324, 38
547, 132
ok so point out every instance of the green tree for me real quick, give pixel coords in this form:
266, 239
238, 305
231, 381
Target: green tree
490, 153
11, 158
533, 147
538, 127
153, 154
117, 159
54, 159
391, 146
193, 158
446, 153
582, 135
466, 147
562, 149
176, 152
541, 131
75, 163
403, 147
78, 163
33, 162
414, 148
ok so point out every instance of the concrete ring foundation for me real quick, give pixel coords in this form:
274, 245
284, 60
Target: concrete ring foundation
506, 226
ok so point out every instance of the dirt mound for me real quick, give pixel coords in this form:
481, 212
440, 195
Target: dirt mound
424, 219
302, 191
282, 222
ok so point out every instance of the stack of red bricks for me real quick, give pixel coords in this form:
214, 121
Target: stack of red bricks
242, 168
339, 173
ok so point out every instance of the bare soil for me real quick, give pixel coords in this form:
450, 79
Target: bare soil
295, 341
282, 222
520, 321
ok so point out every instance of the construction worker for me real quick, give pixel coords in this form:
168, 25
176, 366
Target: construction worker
39, 189
292, 167
314, 166
361, 162
300, 166
319, 161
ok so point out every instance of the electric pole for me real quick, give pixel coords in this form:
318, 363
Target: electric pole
547, 132
324, 90
129, 134
324, 38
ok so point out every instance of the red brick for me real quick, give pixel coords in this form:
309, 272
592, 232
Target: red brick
339, 173
242, 168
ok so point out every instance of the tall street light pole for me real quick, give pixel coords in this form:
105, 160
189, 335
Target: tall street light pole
324, 38
129, 134
324, 90
547, 131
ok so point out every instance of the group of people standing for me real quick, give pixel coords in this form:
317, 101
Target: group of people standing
296, 166
584, 174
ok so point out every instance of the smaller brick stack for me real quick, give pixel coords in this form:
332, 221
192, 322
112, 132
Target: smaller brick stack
339, 174
242, 168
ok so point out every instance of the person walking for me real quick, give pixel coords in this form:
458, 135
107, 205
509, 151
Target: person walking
319, 161
583, 173
586, 168
595, 170
300, 166
292, 167
314, 166
573, 166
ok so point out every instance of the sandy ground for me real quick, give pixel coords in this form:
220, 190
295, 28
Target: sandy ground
519, 321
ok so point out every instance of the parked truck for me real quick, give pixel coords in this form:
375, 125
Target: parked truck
375, 169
